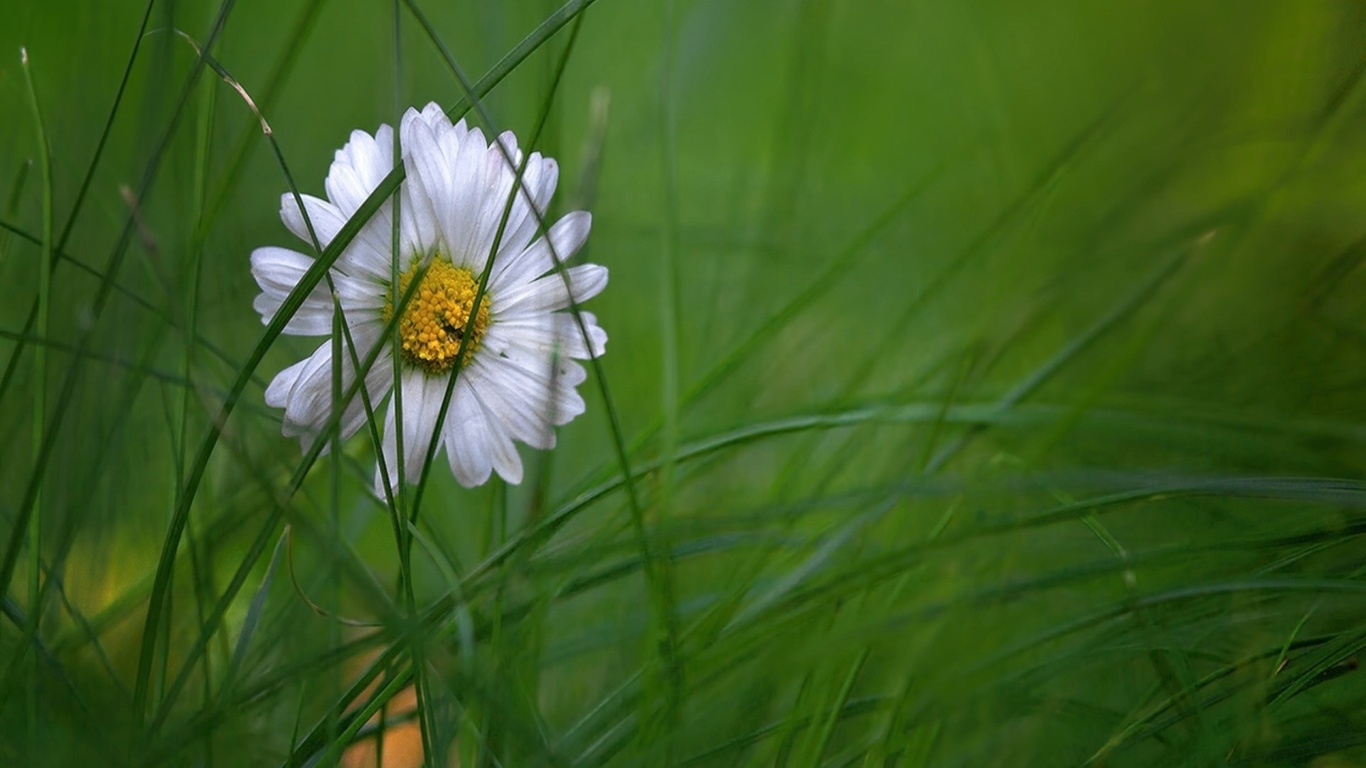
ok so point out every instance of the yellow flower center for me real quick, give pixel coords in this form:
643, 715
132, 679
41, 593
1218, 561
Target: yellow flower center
437, 317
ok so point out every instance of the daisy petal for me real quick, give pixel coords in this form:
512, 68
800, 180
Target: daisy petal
546, 334
278, 270
426, 186
465, 204
468, 437
359, 167
500, 162
367, 255
523, 223
565, 239
549, 294
304, 389
523, 399
422, 396
477, 441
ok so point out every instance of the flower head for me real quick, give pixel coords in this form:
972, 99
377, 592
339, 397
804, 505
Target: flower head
512, 354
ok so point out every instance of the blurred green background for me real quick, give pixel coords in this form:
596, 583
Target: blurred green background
991, 375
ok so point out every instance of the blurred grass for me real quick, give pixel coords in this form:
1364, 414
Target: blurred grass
1012, 415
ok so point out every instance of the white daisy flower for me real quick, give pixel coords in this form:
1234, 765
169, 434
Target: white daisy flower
517, 379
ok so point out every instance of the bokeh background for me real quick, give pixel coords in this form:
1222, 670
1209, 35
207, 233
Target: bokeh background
990, 373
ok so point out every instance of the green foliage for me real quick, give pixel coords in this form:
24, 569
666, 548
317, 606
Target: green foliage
985, 387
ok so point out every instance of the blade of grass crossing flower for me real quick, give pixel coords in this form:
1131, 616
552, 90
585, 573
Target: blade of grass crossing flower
422, 688
659, 589
570, 10
550, 24
339, 335
473, 93
493, 738
396, 343
517, 188
421, 684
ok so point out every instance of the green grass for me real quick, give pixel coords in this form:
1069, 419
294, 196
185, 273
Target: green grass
984, 387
